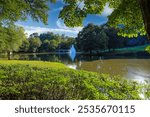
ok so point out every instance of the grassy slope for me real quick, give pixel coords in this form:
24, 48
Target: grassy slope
39, 64
134, 49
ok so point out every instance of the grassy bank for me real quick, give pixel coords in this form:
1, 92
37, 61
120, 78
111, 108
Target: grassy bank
46, 80
134, 49
38, 64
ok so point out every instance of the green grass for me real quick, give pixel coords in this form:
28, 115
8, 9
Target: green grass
39, 64
134, 49
53, 81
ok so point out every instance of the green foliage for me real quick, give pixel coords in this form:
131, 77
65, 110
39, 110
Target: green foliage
53, 45
45, 46
146, 89
13, 10
127, 15
38, 64
2, 38
114, 41
50, 42
148, 49
92, 37
73, 14
11, 38
25, 80
66, 43
35, 43
25, 46
98, 38
48, 36
49, 45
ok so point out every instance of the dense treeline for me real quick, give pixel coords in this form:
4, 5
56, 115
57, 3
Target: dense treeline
91, 38
100, 38
46, 42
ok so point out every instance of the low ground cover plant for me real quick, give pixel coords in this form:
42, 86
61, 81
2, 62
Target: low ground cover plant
54, 81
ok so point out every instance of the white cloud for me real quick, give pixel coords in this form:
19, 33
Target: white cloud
62, 29
60, 24
80, 4
57, 9
107, 11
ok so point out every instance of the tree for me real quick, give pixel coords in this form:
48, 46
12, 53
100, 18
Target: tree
2, 38
35, 43
49, 45
47, 36
11, 38
66, 43
129, 16
148, 49
13, 10
114, 41
51, 42
53, 45
25, 46
91, 38
45, 46
70, 41
132, 15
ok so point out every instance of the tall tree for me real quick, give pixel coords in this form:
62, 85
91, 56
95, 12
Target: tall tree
66, 43
2, 38
35, 43
45, 46
11, 38
53, 45
14, 10
91, 38
25, 46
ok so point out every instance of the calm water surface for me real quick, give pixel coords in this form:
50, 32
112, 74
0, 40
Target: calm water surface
128, 67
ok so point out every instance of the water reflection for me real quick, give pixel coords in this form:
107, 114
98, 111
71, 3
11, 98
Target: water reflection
135, 69
72, 66
130, 68
138, 74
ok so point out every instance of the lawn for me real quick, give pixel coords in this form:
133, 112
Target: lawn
133, 49
38, 64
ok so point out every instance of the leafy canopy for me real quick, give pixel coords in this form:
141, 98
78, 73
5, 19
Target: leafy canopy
35, 43
11, 38
126, 17
92, 37
13, 10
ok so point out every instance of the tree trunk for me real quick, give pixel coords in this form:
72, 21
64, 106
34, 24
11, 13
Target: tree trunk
9, 55
145, 8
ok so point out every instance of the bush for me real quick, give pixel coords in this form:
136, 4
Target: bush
23, 81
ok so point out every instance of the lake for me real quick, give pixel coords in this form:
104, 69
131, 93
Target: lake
135, 68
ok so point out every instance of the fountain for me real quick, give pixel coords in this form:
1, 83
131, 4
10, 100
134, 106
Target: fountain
72, 53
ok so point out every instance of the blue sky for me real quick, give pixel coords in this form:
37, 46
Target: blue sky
57, 26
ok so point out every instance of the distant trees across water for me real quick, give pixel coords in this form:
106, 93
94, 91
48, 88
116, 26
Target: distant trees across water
101, 38
46, 42
92, 38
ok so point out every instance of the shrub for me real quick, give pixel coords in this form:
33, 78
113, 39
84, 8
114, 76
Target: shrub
24, 81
